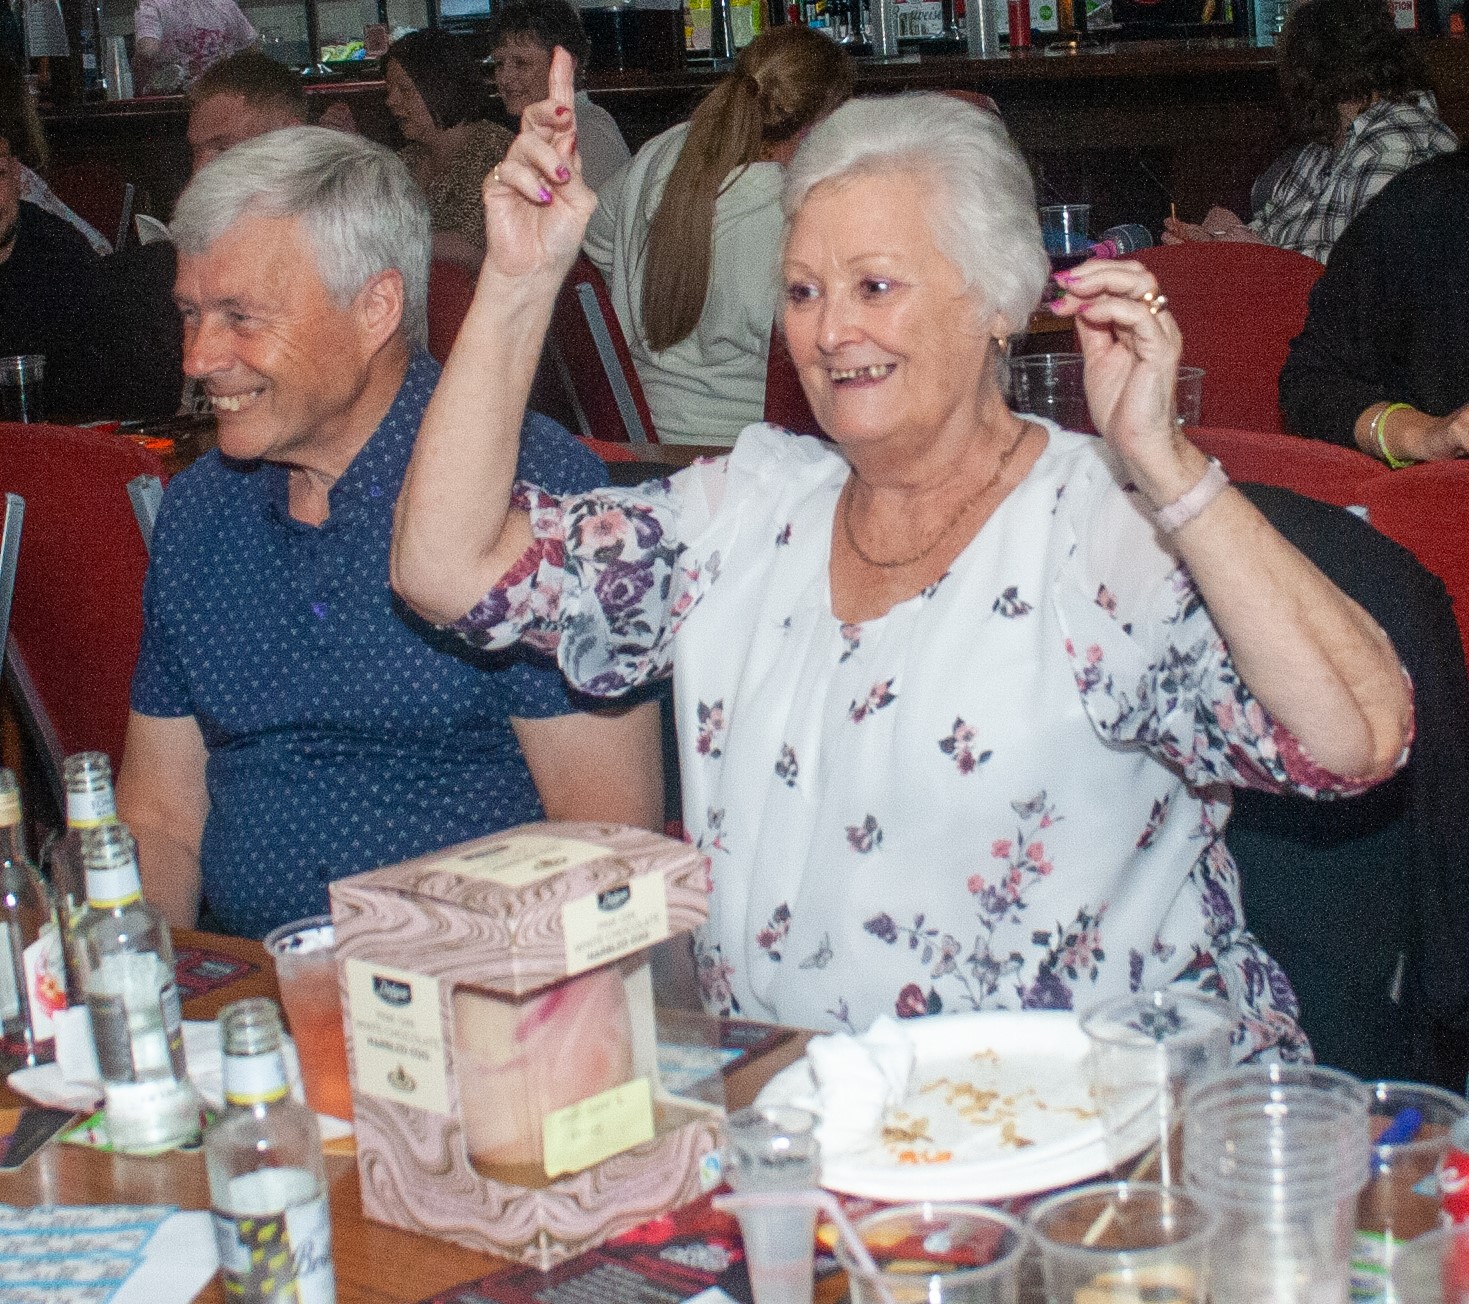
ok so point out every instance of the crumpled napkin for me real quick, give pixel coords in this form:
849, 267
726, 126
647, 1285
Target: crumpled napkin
849, 1083
45, 1085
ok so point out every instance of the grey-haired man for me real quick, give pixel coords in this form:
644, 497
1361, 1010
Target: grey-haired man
291, 721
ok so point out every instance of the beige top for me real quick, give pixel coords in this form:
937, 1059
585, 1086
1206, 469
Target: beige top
454, 201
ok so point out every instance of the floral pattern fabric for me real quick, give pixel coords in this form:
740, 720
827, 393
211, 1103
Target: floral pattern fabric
1008, 792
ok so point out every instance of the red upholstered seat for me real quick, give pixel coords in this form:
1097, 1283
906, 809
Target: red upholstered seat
450, 292
1239, 306
98, 193
592, 360
1426, 509
1322, 471
77, 611
785, 400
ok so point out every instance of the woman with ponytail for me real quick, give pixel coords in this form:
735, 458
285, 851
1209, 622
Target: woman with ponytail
688, 235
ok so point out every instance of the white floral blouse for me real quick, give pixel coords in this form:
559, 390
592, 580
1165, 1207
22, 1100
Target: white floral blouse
1008, 792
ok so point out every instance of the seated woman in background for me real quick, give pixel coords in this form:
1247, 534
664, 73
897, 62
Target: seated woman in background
522, 35
20, 124
688, 235
436, 92
176, 40
1383, 360
959, 694
1356, 90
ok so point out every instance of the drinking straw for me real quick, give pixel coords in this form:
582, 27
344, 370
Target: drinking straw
1108, 1216
824, 1202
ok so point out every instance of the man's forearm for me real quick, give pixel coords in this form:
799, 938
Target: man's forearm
171, 875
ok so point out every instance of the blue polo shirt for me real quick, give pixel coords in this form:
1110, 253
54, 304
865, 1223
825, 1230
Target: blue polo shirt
343, 732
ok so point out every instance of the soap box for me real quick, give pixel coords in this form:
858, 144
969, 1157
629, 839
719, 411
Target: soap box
502, 1033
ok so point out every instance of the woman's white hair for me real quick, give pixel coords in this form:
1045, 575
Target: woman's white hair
982, 215
363, 211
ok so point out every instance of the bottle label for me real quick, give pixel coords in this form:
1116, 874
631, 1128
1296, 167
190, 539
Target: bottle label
110, 889
277, 1256
9, 991
86, 810
9, 809
45, 975
254, 1079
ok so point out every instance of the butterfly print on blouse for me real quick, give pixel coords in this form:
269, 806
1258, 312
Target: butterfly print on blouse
878, 696
1011, 605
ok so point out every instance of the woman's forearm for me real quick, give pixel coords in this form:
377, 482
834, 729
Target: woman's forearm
1316, 661
454, 535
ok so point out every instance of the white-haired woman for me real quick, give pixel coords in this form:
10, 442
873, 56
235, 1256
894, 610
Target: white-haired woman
959, 698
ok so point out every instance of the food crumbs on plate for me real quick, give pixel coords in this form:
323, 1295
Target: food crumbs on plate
1010, 1137
905, 1129
925, 1156
986, 1056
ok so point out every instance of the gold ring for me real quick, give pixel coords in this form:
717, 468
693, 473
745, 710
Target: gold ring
495, 175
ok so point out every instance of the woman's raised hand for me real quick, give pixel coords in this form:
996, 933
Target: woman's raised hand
1131, 345
536, 203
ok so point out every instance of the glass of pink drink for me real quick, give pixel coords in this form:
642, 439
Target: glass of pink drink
306, 972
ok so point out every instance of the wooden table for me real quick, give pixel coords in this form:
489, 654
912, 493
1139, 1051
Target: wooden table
375, 1264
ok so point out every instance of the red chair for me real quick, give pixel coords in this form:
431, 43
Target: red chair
1325, 472
97, 192
1426, 509
593, 363
450, 292
785, 400
1239, 306
76, 618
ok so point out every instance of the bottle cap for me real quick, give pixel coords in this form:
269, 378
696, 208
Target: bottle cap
254, 1069
111, 859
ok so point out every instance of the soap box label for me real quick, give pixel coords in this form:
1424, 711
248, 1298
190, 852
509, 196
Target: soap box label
524, 859
604, 926
397, 1036
598, 1127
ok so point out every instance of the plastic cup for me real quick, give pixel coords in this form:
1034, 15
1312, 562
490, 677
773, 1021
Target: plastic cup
1050, 385
1145, 1052
770, 1150
937, 1254
1434, 1269
1188, 395
305, 956
1279, 1153
1066, 233
22, 379
1400, 1201
1123, 1241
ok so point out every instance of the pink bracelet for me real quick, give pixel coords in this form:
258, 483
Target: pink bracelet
1182, 510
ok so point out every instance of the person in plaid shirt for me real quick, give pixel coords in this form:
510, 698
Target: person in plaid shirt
1355, 89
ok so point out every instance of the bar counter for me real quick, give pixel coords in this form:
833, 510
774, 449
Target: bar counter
1130, 127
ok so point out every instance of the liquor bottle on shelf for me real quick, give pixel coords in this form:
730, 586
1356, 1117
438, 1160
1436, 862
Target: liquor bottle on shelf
90, 804
32, 973
267, 1185
126, 960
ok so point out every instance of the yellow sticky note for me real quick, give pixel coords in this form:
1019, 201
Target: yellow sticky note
598, 1127
524, 859
604, 926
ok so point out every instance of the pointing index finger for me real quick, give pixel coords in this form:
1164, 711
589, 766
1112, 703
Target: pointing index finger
562, 86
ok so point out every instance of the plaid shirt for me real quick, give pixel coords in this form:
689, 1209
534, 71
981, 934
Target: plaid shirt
1325, 188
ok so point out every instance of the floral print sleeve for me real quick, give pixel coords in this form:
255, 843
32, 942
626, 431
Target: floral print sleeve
1152, 668
605, 583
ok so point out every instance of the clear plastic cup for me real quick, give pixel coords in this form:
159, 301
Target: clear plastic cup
937, 1254
1400, 1201
773, 1149
1434, 1269
22, 387
1050, 385
1188, 395
305, 956
1066, 232
1145, 1052
1123, 1241
1279, 1153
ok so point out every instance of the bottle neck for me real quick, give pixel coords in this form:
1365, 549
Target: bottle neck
12, 838
90, 808
113, 887
251, 1080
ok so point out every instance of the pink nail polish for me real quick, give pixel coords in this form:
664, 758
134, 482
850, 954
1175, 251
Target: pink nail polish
1065, 277
543, 195
563, 173
562, 110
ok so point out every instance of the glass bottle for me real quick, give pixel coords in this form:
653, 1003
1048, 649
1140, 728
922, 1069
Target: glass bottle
267, 1183
90, 804
32, 976
125, 956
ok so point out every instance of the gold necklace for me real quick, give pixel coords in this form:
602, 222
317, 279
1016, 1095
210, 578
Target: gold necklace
959, 513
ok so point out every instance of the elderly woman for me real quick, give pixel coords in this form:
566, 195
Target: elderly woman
960, 695
1357, 92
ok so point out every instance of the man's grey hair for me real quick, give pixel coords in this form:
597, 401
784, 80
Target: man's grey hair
362, 210
982, 213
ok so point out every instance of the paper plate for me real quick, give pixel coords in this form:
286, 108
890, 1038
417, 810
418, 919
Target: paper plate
1000, 1105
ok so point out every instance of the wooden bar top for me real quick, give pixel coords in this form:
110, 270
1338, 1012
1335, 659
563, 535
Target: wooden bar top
375, 1264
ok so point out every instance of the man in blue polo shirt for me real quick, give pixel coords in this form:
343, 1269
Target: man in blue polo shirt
292, 722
